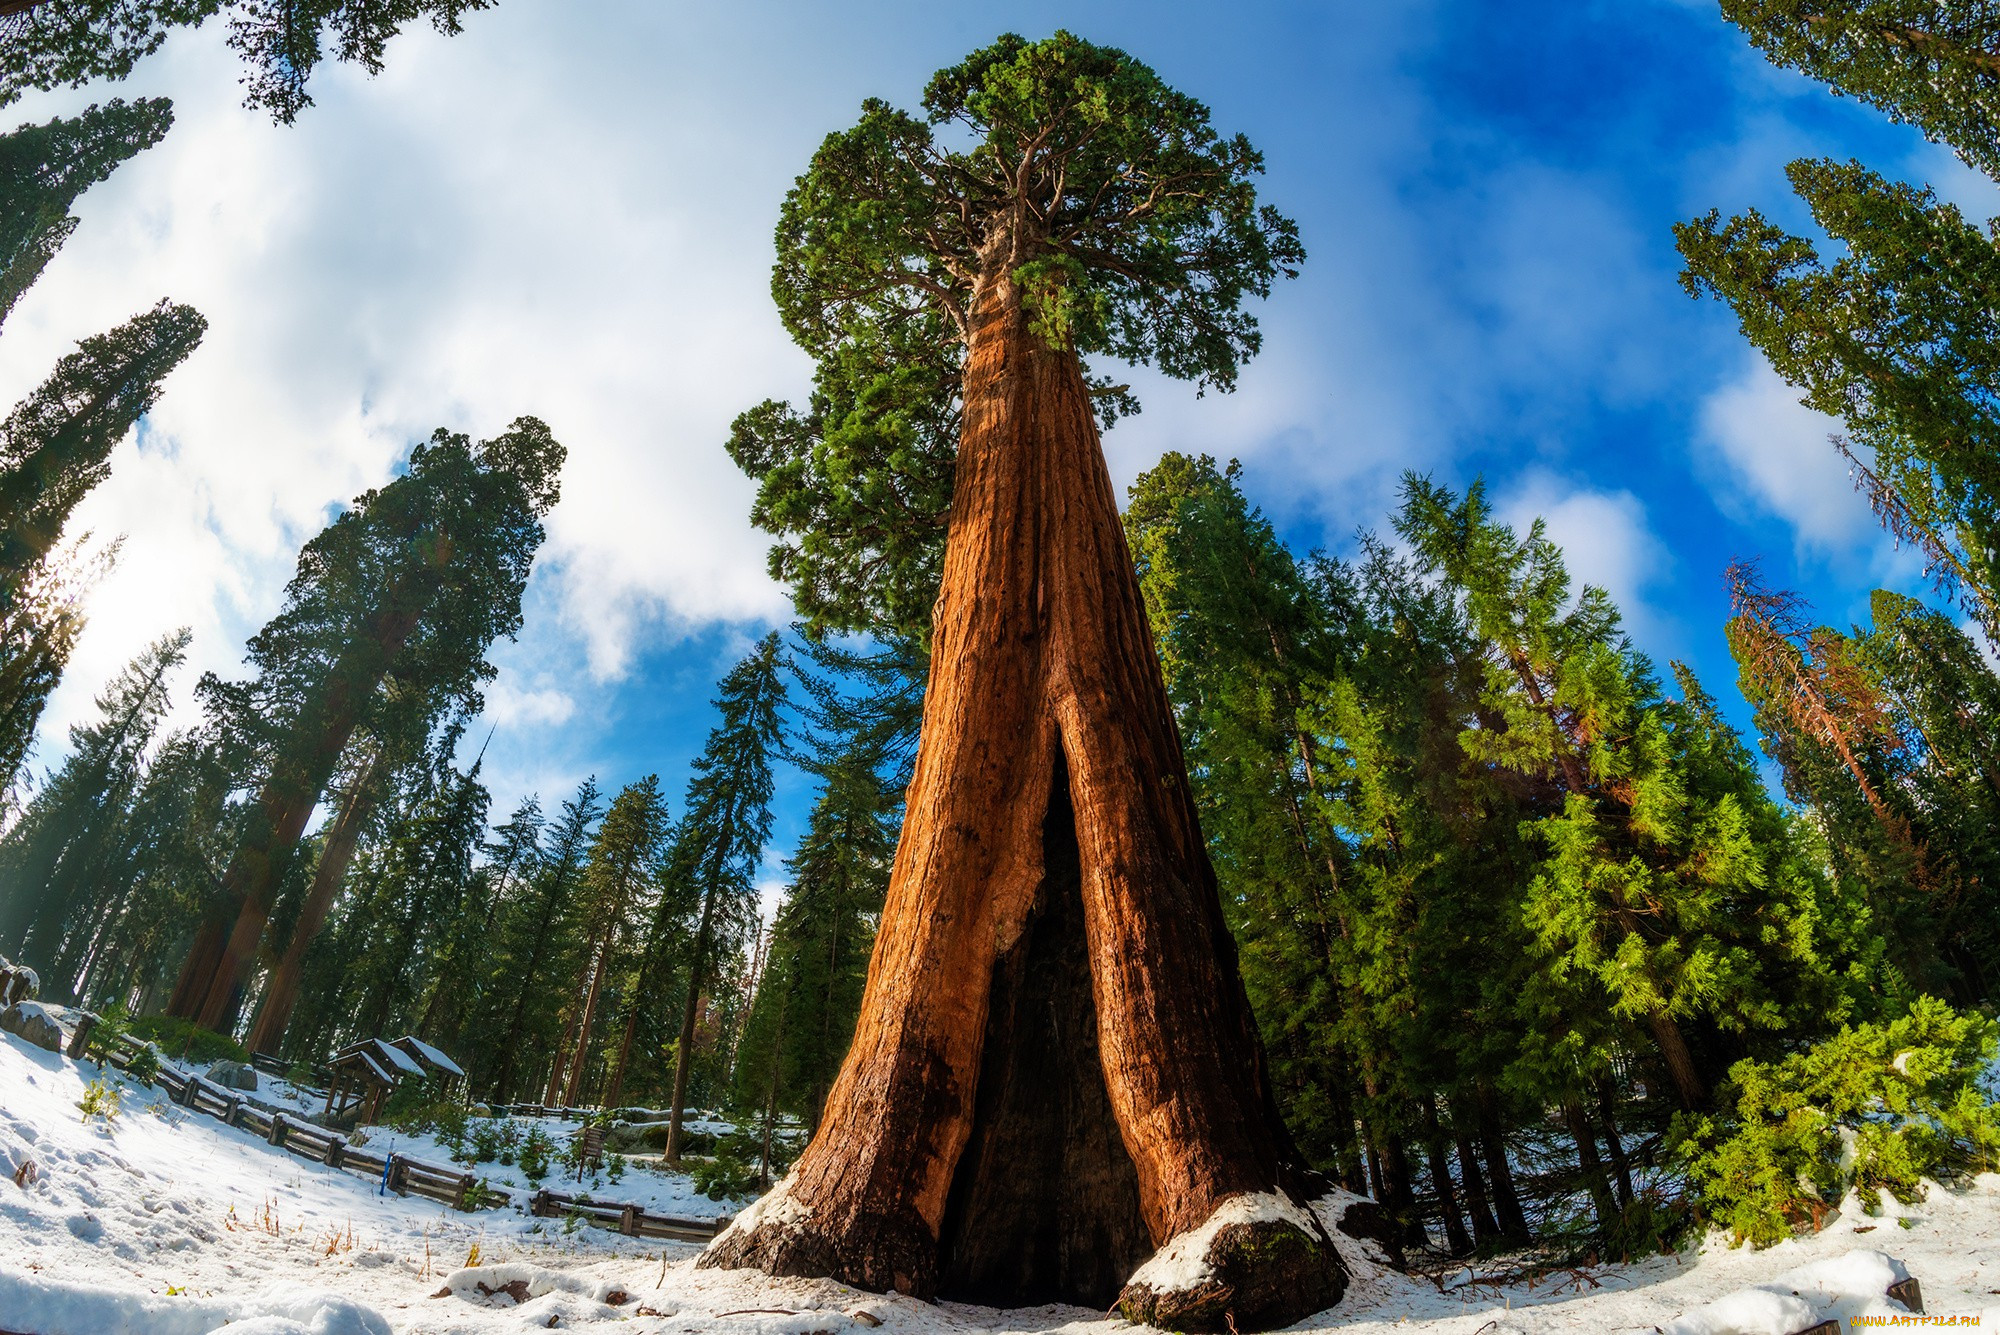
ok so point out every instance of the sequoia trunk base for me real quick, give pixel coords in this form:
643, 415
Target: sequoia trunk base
1056, 1072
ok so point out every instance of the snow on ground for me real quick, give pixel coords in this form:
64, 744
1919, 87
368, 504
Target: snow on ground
166, 1222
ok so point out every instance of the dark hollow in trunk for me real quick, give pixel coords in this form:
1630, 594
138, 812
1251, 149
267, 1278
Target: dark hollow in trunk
1045, 1205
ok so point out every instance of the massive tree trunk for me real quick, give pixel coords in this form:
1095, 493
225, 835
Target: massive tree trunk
281, 996
1056, 1070
290, 792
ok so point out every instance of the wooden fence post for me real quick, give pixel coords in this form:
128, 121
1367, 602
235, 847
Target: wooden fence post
628, 1221
79, 1042
538, 1205
336, 1151
277, 1136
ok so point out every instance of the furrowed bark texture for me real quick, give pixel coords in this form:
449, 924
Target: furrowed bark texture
1056, 1069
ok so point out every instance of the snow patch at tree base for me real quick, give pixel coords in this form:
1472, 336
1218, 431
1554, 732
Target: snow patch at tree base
1258, 1262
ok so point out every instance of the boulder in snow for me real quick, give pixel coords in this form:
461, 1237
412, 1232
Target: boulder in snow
231, 1075
19, 983
28, 1020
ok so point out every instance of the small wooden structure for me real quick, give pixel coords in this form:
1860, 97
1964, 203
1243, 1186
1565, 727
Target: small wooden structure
367, 1071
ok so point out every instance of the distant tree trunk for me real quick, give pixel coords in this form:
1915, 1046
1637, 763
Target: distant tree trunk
1607, 1107
1440, 1165
615, 1088
771, 1092
1688, 1084
1485, 1229
1592, 1168
589, 1018
1051, 880
1401, 1199
684, 1052
1512, 1219
561, 1068
281, 996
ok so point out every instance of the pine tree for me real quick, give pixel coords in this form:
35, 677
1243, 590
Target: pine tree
538, 941
56, 43
58, 859
1662, 894
719, 845
37, 632
1883, 733
1896, 335
43, 168
618, 887
809, 996
54, 446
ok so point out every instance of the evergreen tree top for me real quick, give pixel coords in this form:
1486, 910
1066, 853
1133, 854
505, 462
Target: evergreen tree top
1931, 63
1131, 223
67, 43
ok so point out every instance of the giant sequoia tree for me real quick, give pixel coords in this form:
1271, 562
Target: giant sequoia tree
1056, 1071
396, 601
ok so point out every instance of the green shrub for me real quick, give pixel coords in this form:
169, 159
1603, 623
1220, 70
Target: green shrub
100, 1099
723, 1177
537, 1150
1876, 1107
614, 1166
189, 1041
425, 1104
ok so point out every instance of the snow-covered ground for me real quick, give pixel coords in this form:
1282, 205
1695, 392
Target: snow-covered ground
165, 1222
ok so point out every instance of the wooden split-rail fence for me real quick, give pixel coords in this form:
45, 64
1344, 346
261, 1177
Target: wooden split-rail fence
400, 1173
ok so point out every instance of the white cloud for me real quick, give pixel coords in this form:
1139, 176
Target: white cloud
510, 706
1765, 452
1606, 540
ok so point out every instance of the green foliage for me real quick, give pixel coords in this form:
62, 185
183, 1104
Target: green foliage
100, 1099
68, 43
55, 446
189, 1041
536, 1153
614, 1166
1926, 64
43, 168
423, 1104
1895, 332
1131, 227
1877, 1107
727, 1176
76, 840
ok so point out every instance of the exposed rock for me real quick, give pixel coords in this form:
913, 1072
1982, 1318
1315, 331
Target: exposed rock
19, 983
33, 1024
231, 1075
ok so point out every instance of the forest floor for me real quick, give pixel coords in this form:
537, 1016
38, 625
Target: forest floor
171, 1224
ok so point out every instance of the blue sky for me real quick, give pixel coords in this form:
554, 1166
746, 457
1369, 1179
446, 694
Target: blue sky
567, 211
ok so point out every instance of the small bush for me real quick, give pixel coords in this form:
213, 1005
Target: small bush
537, 1151
100, 1099
1876, 1107
614, 1166
189, 1041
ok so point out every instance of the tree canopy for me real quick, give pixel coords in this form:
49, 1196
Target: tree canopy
67, 43
1133, 227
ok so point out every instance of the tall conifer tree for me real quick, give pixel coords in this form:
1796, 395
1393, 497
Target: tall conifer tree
408, 589
719, 844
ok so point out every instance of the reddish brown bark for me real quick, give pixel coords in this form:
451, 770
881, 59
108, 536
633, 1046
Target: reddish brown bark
281, 995
293, 789
1053, 997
